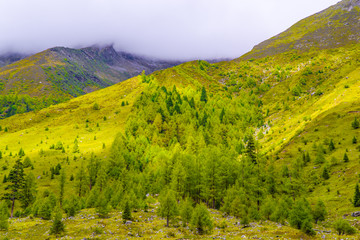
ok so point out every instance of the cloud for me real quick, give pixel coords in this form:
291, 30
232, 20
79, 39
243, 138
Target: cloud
171, 29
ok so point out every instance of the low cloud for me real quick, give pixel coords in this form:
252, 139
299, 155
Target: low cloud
168, 29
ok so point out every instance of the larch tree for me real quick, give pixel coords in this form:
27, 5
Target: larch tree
16, 180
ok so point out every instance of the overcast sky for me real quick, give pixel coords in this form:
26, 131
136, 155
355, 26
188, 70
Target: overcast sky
172, 29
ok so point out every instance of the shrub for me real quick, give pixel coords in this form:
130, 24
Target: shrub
343, 227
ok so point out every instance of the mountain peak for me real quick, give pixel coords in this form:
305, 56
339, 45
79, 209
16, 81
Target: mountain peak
348, 5
336, 26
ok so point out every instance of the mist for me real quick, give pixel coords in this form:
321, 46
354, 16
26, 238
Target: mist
165, 29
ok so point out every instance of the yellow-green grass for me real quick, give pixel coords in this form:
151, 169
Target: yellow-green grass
35, 132
147, 225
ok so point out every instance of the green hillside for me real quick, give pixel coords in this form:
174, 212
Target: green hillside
264, 146
58, 74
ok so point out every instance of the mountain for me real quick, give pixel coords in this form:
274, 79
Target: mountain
268, 136
333, 27
66, 72
8, 58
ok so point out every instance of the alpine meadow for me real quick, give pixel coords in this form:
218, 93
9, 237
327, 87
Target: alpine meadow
101, 144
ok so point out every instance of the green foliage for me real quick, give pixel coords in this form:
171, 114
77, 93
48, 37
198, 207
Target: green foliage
96, 106
126, 215
29, 191
27, 163
201, 219
16, 180
356, 201
203, 96
343, 227
300, 216
102, 206
58, 226
4, 216
319, 212
16, 104
325, 173
355, 124
186, 211
346, 158
168, 206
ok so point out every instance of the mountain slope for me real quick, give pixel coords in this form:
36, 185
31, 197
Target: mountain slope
65, 72
9, 58
331, 28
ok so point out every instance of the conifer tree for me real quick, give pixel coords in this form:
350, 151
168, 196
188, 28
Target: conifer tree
355, 124
325, 173
62, 181
126, 215
102, 206
201, 219
356, 201
203, 96
16, 179
58, 226
250, 149
186, 211
346, 158
300, 216
4, 216
29, 191
319, 212
331, 145
168, 206
81, 183
354, 140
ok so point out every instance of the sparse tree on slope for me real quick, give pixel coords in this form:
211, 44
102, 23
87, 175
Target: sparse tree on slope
16, 181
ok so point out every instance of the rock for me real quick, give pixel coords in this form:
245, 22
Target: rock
128, 222
355, 214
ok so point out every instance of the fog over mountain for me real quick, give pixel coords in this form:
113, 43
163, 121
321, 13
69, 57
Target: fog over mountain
177, 29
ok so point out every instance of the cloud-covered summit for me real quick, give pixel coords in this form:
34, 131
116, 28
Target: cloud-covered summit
176, 29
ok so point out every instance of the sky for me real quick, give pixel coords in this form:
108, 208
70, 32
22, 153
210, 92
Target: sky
165, 29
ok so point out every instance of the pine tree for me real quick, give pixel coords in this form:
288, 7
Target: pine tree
203, 96
346, 158
250, 149
16, 179
354, 141
319, 212
325, 173
62, 181
58, 226
126, 215
300, 216
29, 191
81, 183
222, 114
331, 145
355, 124
201, 219
102, 206
186, 211
356, 201
4, 216
21, 153
168, 206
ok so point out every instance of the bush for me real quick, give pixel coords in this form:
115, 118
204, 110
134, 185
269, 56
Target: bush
201, 219
343, 227
96, 106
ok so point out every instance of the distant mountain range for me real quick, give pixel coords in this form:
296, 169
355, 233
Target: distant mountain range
66, 72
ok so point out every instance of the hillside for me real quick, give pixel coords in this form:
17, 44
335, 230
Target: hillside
9, 58
260, 147
58, 74
334, 27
